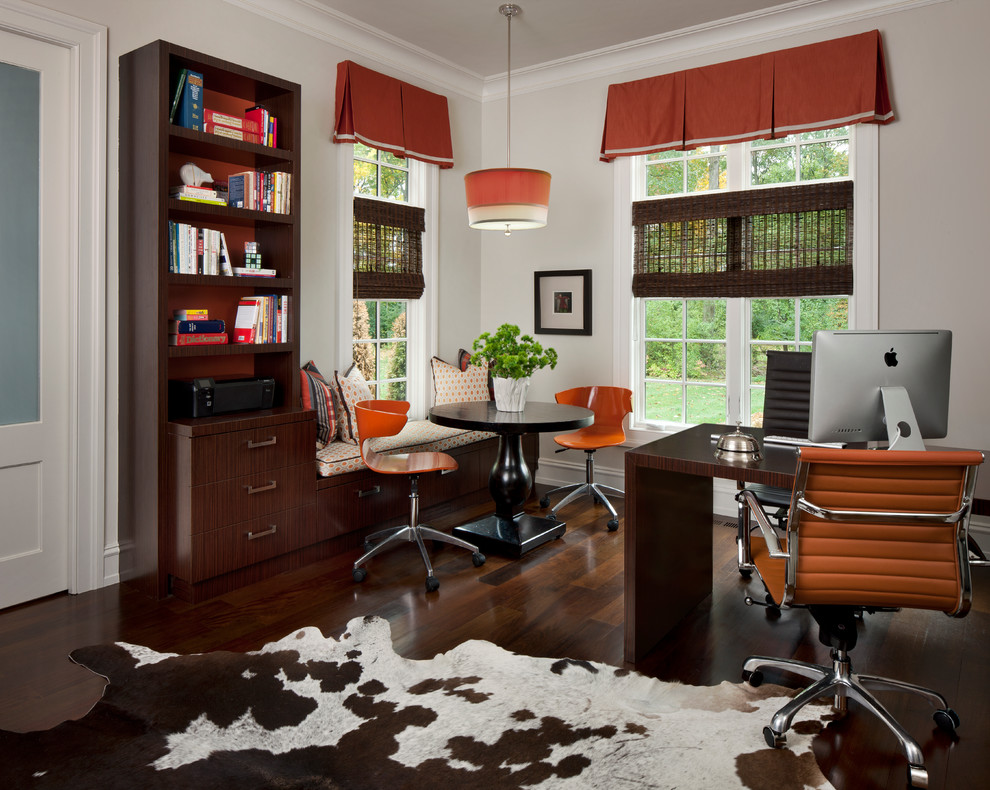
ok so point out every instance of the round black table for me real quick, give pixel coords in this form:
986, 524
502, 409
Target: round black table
507, 532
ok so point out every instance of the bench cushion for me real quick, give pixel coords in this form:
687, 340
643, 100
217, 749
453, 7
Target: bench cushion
417, 436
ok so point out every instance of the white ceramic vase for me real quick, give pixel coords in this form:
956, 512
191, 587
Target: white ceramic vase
510, 394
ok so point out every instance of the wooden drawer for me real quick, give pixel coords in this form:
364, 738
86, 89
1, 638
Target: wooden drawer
361, 503
238, 453
219, 551
231, 501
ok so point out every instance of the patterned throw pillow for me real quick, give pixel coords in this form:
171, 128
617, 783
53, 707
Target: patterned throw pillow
316, 394
351, 389
464, 359
451, 385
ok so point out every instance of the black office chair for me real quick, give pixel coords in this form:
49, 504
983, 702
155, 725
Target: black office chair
785, 413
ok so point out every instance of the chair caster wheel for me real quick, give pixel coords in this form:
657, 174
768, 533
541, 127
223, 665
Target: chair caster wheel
754, 678
368, 545
359, 574
917, 776
551, 516
613, 525
478, 559
947, 720
774, 740
432, 583
545, 502
746, 573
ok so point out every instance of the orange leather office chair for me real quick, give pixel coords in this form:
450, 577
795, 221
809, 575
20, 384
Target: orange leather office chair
376, 418
868, 529
610, 405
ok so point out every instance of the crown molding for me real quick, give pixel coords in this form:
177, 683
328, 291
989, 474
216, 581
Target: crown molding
800, 16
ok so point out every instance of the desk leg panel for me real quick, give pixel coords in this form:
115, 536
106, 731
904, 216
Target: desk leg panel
668, 552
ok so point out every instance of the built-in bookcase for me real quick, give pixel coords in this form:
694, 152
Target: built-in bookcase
152, 150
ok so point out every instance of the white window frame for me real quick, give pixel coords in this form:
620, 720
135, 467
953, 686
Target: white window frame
421, 315
627, 313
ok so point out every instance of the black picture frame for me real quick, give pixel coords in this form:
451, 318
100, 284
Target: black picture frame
562, 302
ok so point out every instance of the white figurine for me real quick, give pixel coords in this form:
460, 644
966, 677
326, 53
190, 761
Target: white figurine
192, 175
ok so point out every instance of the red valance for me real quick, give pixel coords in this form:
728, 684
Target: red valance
818, 86
391, 115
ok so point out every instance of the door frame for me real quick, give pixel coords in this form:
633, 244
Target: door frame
90, 556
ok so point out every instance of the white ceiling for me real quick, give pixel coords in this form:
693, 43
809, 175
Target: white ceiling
471, 34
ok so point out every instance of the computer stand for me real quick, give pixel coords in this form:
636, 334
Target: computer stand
902, 425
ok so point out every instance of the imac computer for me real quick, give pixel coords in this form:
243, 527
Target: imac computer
876, 385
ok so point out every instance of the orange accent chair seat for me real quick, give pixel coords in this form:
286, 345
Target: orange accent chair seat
610, 405
867, 530
376, 418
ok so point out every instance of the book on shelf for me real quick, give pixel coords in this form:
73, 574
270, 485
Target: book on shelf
203, 339
260, 190
193, 250
232, 134
230, 121
193, 191
244, 271
217, 201
191, 314
180, 85
267, 124
262, 319
226, 265
199, 326
190, 112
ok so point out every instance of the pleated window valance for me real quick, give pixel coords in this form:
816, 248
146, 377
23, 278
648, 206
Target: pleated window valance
388, 249
785, 241
390, 115
818, 86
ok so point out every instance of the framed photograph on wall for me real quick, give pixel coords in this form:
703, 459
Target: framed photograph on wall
563, 302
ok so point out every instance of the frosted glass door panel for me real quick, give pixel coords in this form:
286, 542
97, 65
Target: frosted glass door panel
19, 221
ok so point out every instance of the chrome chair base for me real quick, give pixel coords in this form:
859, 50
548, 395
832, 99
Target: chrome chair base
414, 532
840, 681
589, 487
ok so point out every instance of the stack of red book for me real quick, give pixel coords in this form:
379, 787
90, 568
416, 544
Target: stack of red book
193, 327
232, 126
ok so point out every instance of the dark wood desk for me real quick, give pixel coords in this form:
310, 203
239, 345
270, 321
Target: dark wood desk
507, 532
668, 526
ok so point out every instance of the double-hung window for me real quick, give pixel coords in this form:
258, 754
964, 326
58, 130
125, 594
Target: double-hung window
711, 273
391, 305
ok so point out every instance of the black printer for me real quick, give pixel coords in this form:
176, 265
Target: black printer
207, 397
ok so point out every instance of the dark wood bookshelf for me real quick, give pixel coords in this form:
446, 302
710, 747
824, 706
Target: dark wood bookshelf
152, 467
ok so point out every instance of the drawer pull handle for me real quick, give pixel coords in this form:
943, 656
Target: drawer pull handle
259, 489
447, 472
369, 492
266, 443
256, 535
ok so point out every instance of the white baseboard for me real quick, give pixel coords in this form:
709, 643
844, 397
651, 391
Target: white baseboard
111, 565
554, 472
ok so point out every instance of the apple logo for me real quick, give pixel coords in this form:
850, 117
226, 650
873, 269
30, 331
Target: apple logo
890, 358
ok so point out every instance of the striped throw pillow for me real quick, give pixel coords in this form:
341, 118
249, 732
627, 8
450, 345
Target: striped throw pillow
316, 394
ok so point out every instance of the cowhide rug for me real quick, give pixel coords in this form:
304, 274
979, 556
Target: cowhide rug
312, 712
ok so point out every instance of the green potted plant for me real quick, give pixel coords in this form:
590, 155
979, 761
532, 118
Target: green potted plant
512, 358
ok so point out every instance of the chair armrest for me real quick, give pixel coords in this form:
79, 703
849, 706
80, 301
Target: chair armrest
756, 510
828, 514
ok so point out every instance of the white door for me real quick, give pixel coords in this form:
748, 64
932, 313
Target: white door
35, 318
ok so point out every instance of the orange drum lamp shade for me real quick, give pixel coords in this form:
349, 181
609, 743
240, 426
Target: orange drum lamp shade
507, 198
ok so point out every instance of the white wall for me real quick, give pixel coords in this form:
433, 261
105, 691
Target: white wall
933, 203
932, 166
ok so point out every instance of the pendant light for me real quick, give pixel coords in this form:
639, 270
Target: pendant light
507, 198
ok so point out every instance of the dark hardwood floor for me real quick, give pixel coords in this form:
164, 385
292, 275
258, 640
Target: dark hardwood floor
564, 599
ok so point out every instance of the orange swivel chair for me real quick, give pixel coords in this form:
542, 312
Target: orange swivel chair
867, 530
377, 418
610, 405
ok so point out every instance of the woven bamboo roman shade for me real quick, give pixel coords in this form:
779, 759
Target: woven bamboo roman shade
785, 241
388, 249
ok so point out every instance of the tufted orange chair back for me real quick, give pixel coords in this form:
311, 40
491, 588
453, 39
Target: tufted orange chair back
864, 531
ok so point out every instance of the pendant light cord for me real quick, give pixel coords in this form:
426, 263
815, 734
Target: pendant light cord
508, 10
